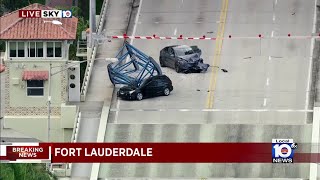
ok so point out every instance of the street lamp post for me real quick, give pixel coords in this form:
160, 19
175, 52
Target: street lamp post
49, 101
55, 22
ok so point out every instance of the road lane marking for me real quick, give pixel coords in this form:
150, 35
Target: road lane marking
211, 110
175, 31
264, 101
274, 17
272, 33
267, 83
217, 54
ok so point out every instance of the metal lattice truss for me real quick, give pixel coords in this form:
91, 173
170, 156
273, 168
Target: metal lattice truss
132, 67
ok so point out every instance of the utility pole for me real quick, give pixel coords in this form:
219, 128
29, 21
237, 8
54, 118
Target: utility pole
49, 101
92, 20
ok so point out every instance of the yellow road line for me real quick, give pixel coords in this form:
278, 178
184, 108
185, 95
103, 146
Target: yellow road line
217, 53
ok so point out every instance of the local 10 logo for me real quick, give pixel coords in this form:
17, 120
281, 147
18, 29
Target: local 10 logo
66, 14
283, 150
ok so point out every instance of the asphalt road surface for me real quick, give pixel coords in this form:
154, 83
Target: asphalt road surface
267, 74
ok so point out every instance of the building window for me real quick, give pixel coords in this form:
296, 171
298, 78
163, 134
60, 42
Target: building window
35, 88
57, 49
20, 49
39, 47
54, 49
32, 49
13, 49
17, 49
35, 49
50, 49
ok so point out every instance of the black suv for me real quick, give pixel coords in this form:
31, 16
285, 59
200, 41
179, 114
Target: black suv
183, 58
151, 87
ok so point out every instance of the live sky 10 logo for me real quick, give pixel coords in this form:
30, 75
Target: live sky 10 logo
283, 150
45, 13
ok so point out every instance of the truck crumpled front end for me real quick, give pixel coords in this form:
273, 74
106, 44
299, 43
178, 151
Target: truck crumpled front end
192, 64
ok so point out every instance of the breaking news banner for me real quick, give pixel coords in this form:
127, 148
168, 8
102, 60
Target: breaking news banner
45, 13
156, 152
25, 153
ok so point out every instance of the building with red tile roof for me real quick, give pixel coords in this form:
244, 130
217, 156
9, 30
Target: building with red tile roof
36, 74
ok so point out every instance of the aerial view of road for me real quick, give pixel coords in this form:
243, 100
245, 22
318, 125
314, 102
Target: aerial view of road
188, 74
264, 94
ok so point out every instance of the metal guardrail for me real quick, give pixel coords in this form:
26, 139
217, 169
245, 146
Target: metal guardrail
81, 48
90, 63
76, 127
75, 132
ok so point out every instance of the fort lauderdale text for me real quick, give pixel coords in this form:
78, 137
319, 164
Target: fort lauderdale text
118, 152
102, 151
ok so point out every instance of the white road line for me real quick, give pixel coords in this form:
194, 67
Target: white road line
269, 58
180, 6
131, 41
264, 101
213, 110
175, 31
272, 33
267, 83
274, 17
311, 55
276, 2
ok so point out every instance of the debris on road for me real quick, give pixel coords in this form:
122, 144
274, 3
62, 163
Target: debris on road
224, 70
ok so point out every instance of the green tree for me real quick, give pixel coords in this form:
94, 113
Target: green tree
76, 11
11, 5
25, 172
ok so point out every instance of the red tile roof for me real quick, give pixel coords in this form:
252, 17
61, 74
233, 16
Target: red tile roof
35, 75
13, 27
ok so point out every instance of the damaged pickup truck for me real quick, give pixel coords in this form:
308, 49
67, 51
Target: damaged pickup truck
183, 58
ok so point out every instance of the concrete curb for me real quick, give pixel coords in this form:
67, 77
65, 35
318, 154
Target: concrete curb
313, 173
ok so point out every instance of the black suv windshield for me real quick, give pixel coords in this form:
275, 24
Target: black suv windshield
183, 50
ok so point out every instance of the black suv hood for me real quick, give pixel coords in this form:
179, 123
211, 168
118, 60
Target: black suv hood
191, 58
188, 56
127, 88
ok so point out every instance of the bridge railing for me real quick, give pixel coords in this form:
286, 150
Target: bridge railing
90, 62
